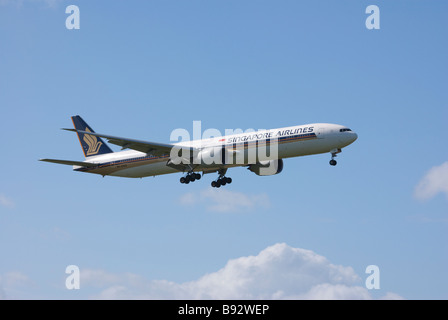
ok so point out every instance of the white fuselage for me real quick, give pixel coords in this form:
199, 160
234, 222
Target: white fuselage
290, 141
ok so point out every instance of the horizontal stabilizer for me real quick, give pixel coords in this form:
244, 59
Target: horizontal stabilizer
71, 163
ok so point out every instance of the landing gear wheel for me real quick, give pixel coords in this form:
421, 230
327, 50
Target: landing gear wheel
190, 177
221, 181
334, 154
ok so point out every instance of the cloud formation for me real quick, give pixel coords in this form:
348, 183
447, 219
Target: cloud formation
277, 272
221, 200
6, 202
434, 182
11, 283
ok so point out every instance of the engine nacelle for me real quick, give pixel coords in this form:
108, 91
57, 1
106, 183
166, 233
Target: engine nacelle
267, 168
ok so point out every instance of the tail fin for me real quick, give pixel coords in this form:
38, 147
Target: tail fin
91, 145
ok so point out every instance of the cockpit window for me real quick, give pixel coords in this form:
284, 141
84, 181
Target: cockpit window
345, 129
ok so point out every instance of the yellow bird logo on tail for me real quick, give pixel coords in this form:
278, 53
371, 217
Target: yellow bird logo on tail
92, 142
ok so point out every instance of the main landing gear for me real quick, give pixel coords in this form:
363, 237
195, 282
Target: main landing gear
222, 180
190, 177
334, 153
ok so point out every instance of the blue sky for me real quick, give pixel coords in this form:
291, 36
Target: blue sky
141, 69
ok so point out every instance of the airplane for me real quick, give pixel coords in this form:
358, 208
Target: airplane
216, 154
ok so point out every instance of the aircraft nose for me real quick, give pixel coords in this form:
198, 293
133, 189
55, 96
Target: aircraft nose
348, 137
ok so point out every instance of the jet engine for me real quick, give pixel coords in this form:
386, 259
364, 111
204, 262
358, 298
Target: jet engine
267, 167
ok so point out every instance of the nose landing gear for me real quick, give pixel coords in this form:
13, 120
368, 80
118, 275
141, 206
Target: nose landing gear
334, 153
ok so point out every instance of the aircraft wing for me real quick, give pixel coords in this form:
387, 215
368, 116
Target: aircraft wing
71, 163
154, 148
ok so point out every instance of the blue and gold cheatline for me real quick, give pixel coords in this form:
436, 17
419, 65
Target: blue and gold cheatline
147, 159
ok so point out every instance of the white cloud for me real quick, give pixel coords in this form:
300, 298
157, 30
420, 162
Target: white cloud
435, 181
221, 200
11, 282
277, 272
328, 291
392, 296
6, 202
